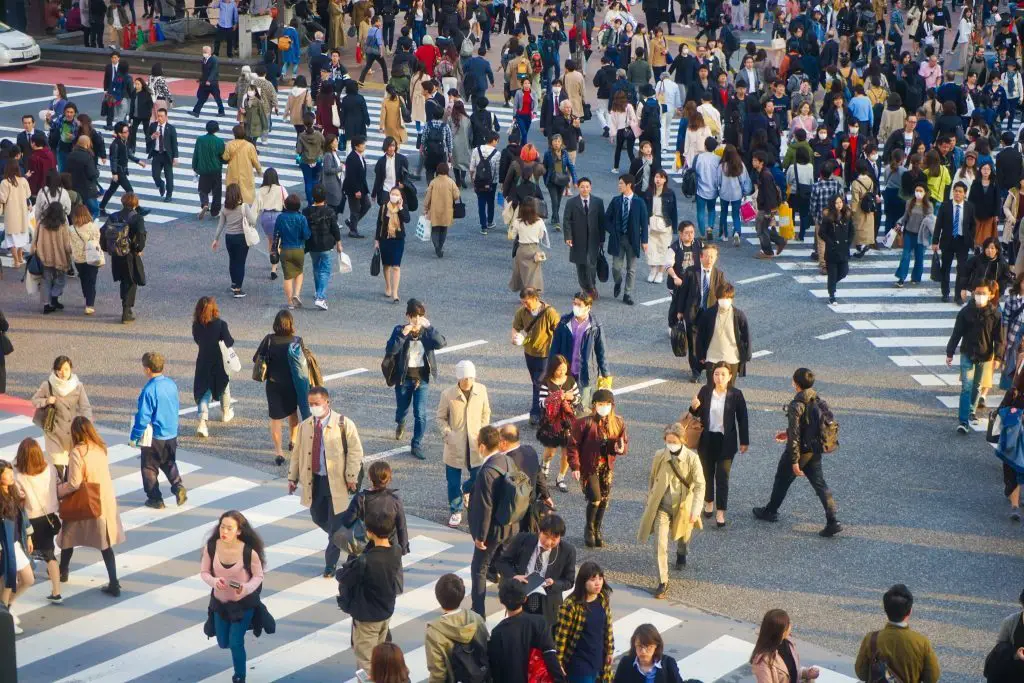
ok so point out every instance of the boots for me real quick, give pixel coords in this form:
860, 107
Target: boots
598, 518
588, 530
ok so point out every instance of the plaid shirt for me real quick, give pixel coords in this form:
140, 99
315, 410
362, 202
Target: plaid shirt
1013, 317
569, 626
822, 194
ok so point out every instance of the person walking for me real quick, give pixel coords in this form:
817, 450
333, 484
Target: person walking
82, 168
155, 430
514, 640
461, 412
326, 458
675, 489
979, 333
692, 300
544, 554
559, 176
774, 659
231, 224
594, 443
412, 347
768, 200
209, 83
863, 192
560, 397
299, 102
533, 328
484, 170
905, 652
664, 215
324, 238
88, 465
51, 245
527, 230
583, 632
456, 626
389, 240
390, 171
16, 533
439, 206
269, 199
587, 361
243, 162
127, 268
628, 224
585, 223
162, 148
954, 238
38, 480
916, 226
309, 153
836, 233
282, 401
208, 164
646, 657
802, 454
63, 395
722, 410
291, 232
354, 186
723, 336
120, 155
378, 498
211, 380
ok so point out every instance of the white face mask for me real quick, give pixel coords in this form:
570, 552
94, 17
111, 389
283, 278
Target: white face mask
604, 410
823, 136
674, 447
318, 411
981, 299
725, 303
919, 195
854, 132
556, 91
395, 198
579, 311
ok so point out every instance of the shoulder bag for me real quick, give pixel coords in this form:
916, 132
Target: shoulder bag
259, 365
84, 503
46, 417
693, 428
6, 347
252, 235
52, 519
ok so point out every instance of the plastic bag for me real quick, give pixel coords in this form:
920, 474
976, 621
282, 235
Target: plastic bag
890, 238
785, 221
32, 284
344, 264
423, 229
499, 198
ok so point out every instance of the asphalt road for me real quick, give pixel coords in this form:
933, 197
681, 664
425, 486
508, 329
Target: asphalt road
920, 504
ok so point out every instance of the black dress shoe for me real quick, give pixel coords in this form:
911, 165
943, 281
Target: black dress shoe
355, 234
765, 515
155, 503
830, 530
112, 589
617, 290
680, 560
628, 300
167, 198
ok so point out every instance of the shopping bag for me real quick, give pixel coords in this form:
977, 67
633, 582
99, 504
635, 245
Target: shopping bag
784, 221
499, 199
232, 364
890, 238
936, 272
160, 37
344, 264
995, 425
747, 212
32, 284
423, 229
359, 54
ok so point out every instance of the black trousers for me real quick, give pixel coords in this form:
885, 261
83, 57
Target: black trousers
128, 291
479, 567
87, 277
696, 367
587, 276
122, 182
357, 209
203, 94
960, 250
162, 166
227, 35
160, 457
623, 140
326, 517
210, 183
837, 271
108, 562
716, 471
370, 59
811, 466
133, 131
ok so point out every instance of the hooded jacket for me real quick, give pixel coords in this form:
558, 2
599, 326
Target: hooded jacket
442, 634
978, 331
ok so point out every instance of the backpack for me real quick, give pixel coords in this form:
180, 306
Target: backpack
879, 671
114, 235
522, 70
547, 50
732, 43
867, 201
538, 63
827, 438
513, 499
433, 144
469, 663
484, 178
284, 43
690, 183
444, 68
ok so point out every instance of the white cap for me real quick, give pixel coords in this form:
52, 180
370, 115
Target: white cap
465, 369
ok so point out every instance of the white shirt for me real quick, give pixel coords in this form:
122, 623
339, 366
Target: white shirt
390, 178
415, 354
716, 418
545, 557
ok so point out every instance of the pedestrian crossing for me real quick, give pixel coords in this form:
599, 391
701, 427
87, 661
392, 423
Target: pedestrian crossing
154, 631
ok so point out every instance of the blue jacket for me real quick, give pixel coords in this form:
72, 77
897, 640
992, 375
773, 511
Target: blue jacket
478, 73
549, 165
591, 351
292, 55
293, 229
398, 346
158, 406
636, 227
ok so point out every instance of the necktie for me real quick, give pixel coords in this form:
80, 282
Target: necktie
956, 220
625, 214
161, 134
318, 439
704, 291
586, 207
536, 563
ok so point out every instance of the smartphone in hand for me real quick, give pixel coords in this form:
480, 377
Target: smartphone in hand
234, 584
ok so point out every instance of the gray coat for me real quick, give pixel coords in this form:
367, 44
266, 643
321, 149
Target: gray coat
460, 146
332, 177
58, 442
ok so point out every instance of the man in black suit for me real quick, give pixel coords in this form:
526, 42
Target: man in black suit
488, 534
162, 148
585, 224
209, 83
553, 97
544, 553
109, 73
1009, 165
694, 297
627, 220
954, 237
390, 168
354, 186
120, 155
527, 460
24, 142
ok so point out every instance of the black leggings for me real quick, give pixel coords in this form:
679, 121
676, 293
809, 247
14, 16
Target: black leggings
623, 139
836, 272
108, 561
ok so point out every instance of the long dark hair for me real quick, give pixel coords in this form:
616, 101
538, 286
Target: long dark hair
769, 637
10, 502
556, 361
587, 571
246, 534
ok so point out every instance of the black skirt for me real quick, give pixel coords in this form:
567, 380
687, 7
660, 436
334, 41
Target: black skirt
281, 400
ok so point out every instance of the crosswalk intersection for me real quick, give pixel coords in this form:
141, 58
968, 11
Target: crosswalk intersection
154, 631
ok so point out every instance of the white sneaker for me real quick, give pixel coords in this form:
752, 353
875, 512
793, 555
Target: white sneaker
18, 630
659, 278
321, 304
650, 277
202, 430
455, 520
17, 621
227, 414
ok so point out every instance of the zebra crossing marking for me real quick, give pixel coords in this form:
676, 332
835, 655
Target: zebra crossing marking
903, 324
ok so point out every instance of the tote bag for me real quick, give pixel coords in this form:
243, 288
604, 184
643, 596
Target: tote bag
232, 363
81, 505
252, 235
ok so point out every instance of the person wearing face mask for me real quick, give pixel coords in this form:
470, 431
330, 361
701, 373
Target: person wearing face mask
553, 98
723, 336
461, 412
979, 333
389, 240
916, 225
675, 489
594, 443
533, 328
580, 340
326, 459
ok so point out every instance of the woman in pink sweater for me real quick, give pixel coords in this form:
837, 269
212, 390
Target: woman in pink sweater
233, 567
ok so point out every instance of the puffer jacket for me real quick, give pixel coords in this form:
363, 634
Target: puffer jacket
323, 228
309, 146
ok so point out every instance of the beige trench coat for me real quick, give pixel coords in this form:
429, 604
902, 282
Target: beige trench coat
575, 90
242, 163
340, 470
460, 420
419, 100
337, 14
14, 201
863, 223
88, 465
439, 204
391, 119
297, 104
662, 478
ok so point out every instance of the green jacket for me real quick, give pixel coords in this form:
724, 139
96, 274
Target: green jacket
790, 157
208, 154
908, 653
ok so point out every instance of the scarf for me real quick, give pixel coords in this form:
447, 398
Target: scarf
393, 222
62, 387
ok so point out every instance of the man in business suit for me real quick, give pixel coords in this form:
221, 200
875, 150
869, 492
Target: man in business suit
162, 148
355, 187
527, 460
209, 83
553, 97
109, 73
120, 155
954, 237
544, 553
24, 142
585, 224
627, 220
391, 170
697, 294
487, 533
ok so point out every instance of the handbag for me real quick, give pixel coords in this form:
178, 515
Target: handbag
93, 253
83, 504
936, 270
587, 115
459, 209
581, 146
259, 362
995, 426
680, 344
375, 263
692, 430
252, 235
232, 364
6, 347
34, 265
46, 417
335, 117
559, 179
233, 100
602, 266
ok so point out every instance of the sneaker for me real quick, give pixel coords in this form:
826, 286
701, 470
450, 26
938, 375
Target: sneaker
238, 294
832, 300
615, 170
227, 414
181, 496
202, 430
650, 277
765, 515
455, 520
723, 238
1015, 515
18, 630
54, 599
483, 231
898, 284
963, 428
735, 240
202, 213
661, 592
418, 454
273, 275
329, 571
830, 530
762, 255
659, 278
297, 302
562, 486
155, 503
321, 304
491, 226
89, 310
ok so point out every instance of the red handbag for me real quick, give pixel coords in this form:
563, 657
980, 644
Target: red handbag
359, 54
537, 669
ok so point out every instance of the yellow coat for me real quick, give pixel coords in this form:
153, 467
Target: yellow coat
439, 204
863, 223
659, 52
340, 470
242, 163
662, 478
336, 10
391, 119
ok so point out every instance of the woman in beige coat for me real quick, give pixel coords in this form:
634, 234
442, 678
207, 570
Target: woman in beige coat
419, 98
299, 102
14, 196
391, 123
767, 661
461, 412
336, 10
863, 223
52, 244
439, 206
66, 392
676, 484
88, 465
243, 162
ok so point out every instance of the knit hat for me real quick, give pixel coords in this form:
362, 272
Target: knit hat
428, 40
603, 396
465, 369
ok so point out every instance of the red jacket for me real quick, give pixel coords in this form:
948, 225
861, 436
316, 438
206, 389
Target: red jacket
429, 56
587, 447
40, 163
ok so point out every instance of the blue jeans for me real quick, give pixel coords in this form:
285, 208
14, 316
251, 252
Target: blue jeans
62, 158
535, 365
736, 227
238, 251
911, 245
231, 634
523, 121
310, 177
455, 486
419, 29
293, 65
321, 271
970, 382
415, 393
93, 205
485, 207
705, 214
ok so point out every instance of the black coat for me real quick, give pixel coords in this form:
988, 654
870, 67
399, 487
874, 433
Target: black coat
210, 72
120, 155
687, 298
482, 499
379, 171
170, 140
626, 671
943, 235
141, 106
1009, 168
527, 460
734, 420
3, 362
571, 135
549, 109
81, 164
585, 231
508, 649
210, 375
706, 330
354, 115
130, 267
323, 228
561, 569
355, 175
669, 206
837, 236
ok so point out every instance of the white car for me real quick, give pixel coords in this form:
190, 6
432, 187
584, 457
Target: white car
16, 48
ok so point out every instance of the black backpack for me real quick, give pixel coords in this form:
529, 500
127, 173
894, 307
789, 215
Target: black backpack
690, 183
115, 234
867, 201
513, 499
878, 667
824, 427
484, 178
433, 145
469, 663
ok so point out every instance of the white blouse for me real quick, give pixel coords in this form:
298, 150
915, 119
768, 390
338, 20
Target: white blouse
716, 418
40, 491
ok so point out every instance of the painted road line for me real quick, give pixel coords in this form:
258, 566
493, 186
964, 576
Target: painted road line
346, 373
131, 483
655, 302
881, 292
10, 452
806, 240
197, 498
903, 324
716, 659
923, 360
122, 452
13, 424
899, 342
416, 660
460, 347
876, 308
760, 354
852, 279
35, 100
758, 278
875, 264
195, 409
283, 604
832, 335
141, 559
929, 380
